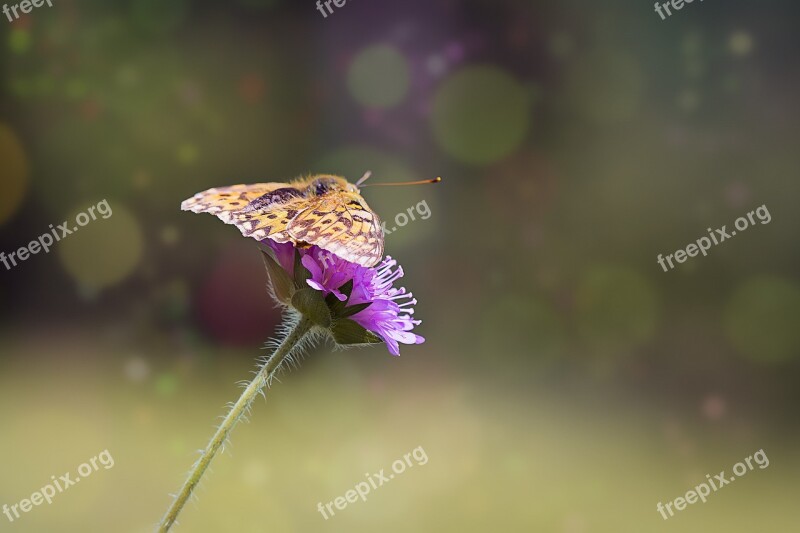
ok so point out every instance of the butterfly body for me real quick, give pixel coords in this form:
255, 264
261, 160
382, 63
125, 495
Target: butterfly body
322, 210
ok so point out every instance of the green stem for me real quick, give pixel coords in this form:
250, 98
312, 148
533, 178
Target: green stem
245, 400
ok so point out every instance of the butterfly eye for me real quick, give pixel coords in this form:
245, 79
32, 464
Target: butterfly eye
321, 187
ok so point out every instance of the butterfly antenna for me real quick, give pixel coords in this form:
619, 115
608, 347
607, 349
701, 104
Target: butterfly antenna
421, 182
364, 178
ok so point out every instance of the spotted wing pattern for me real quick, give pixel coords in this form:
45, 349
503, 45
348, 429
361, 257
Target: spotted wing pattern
337, 221
261, 210
342, 224
225, 201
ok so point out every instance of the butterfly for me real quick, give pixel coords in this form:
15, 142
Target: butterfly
322, 210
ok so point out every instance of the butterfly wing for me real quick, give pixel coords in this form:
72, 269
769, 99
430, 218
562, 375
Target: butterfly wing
342, 224
224, 201
261, 210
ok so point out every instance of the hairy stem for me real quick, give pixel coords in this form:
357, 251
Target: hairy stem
292, 339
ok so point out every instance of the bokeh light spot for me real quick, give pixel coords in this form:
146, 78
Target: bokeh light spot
481, 114
379, 76
616, 308
187, 153
741, 43
105, 251
761, 319
169, 235
166, 384
15, 173
436, 65
76, 89
128, 76
137, 369
19, 40
714, 407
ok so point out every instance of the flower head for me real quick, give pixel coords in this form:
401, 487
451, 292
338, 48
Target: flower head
355, 295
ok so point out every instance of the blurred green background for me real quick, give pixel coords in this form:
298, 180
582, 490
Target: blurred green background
567, 384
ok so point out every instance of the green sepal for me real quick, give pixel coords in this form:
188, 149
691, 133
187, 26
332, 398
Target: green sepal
341, 309
353, 309
282, 284
336, 306
348, 332
312, 305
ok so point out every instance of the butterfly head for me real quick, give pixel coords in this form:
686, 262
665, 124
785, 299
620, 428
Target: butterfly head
322, 185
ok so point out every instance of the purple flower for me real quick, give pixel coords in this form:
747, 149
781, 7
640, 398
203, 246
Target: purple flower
390, 311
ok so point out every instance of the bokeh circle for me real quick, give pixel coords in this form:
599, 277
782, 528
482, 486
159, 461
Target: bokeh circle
481, 114
104, 252
379, 76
